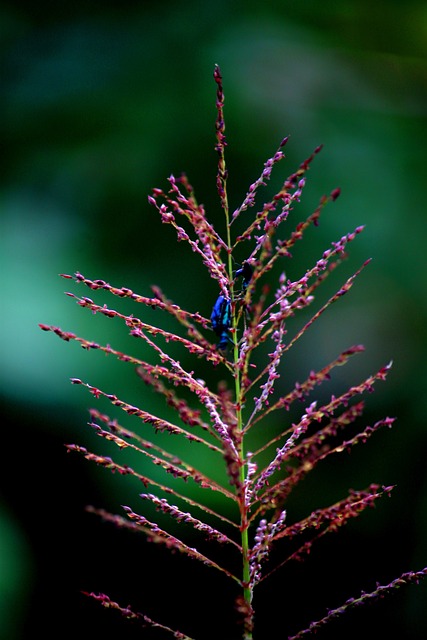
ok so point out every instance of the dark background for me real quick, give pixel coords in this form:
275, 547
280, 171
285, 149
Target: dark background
101, 101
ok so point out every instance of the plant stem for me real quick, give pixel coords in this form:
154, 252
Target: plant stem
222, 191
247, 591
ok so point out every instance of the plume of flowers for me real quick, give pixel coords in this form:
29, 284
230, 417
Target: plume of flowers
224, 421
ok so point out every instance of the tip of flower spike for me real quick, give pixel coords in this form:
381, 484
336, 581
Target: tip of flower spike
388, 489
335, 193
218, 79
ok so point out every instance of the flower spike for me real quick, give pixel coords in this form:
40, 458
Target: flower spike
233, 432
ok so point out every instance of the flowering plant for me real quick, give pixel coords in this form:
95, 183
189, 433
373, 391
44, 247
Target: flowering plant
247, 319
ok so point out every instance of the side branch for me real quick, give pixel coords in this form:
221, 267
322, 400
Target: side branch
159, 535
123, 470
364, 598
128, 613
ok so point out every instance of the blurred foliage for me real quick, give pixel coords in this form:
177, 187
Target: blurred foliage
101, 101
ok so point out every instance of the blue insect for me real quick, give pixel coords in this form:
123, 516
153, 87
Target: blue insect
221, 320
246, 271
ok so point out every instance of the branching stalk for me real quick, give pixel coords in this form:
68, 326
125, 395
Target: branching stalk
245, 342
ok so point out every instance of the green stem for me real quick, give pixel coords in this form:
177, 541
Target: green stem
244, 525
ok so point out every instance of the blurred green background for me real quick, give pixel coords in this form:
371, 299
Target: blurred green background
101, 101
